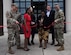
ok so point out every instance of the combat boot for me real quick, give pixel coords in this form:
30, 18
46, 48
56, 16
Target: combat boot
61, 48
10, 51
58, 44
19, 47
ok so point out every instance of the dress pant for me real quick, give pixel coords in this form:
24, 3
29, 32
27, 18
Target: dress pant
33, 33
52, 31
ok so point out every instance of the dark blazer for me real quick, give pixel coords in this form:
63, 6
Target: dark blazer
33, 19
39, 18
48, 21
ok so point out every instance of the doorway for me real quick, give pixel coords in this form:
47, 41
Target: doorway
38, 7
1, 17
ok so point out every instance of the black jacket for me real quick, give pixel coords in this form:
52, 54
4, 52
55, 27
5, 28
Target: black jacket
39, 18
48, 21
33, 19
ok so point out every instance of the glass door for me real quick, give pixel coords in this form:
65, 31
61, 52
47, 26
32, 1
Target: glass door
37, 7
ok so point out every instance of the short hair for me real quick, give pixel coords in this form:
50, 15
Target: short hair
27, 9
14, 4
56, 4
42, 11
48, 5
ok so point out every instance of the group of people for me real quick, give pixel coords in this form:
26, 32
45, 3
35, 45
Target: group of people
48, 21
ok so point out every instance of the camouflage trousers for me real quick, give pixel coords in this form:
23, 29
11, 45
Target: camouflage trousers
58, 33
13, 37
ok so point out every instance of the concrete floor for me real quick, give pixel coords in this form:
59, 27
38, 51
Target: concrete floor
34, 49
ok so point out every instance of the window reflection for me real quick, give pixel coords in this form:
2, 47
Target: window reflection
23, 4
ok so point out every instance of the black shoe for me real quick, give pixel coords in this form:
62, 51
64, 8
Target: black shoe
32, 42
52, 43
44, 48
20, 47
26, 49
40, 46
57, 45
10, 52
47, 41
29, 44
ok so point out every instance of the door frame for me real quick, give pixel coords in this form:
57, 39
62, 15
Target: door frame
1, 17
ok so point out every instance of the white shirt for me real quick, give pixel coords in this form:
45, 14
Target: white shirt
48, 13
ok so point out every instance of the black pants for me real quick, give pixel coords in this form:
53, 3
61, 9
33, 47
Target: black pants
33, 34
52, 31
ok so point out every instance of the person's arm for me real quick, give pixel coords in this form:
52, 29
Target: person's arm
61, 17
45, 22
25, 17
10, 20
25, 25
37, 22
19, 19
53, 16
10, 17
33, 20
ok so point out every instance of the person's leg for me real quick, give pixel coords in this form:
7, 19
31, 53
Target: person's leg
40, 41
60, 40
53, 38
28, 35
56, 36
17, 38
33, 34
26, 44
10, 40
29, 42
46, 33
32, 41
45, 44
40, 37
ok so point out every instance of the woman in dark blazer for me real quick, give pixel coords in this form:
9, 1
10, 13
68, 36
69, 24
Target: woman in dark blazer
42, 31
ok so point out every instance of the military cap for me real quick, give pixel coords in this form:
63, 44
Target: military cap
14, 4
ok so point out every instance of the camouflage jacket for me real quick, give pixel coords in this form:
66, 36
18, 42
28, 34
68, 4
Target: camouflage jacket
11, 19
60, 16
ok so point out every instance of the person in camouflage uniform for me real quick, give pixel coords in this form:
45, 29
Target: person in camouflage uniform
13, 28
59, 27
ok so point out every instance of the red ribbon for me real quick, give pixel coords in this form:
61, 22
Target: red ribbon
36, 25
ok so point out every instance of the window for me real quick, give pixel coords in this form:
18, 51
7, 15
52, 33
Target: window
23, 4
61, 3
